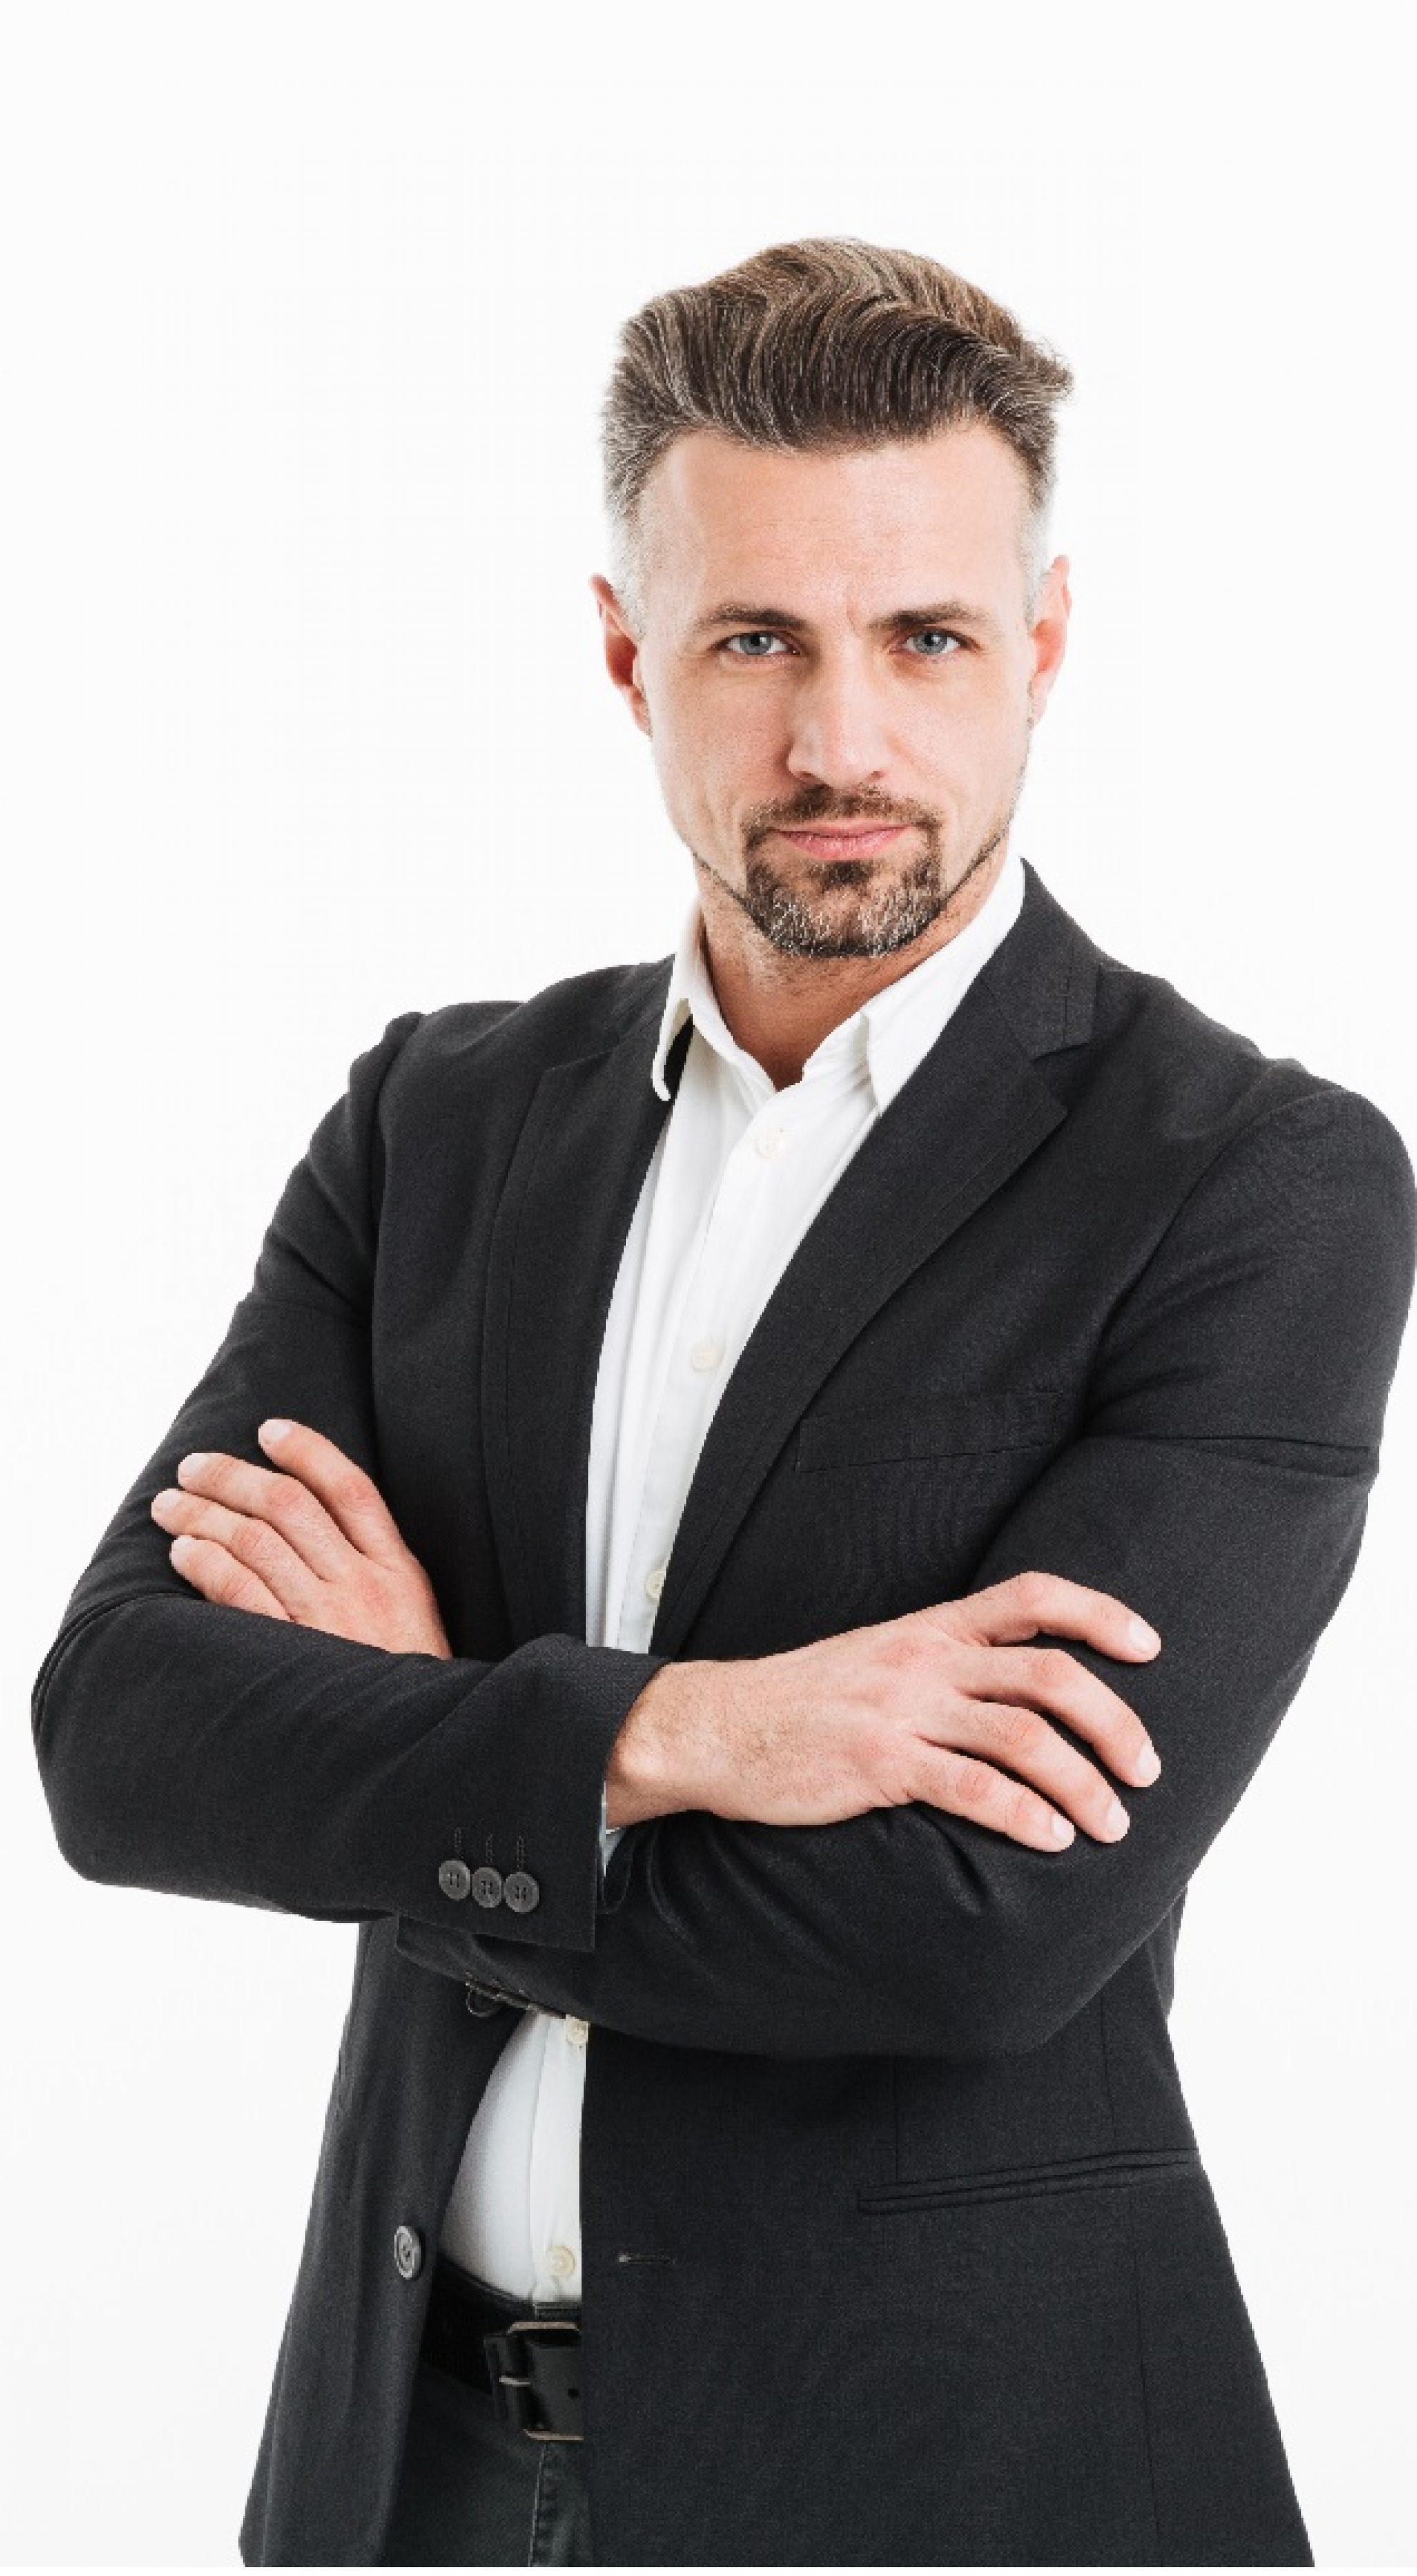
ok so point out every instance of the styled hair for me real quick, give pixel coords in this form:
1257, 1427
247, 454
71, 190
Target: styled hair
818, 345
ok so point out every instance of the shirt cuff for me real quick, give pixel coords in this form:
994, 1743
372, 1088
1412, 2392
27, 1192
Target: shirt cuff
609, 1834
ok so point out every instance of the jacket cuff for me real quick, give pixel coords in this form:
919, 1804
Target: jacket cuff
533, 1805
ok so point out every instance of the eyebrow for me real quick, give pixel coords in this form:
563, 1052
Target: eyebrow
943, 612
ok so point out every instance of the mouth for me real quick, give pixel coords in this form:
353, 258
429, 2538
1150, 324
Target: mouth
846, 840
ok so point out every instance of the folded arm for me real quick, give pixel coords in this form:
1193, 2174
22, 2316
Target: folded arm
204, 1751
1220, 1484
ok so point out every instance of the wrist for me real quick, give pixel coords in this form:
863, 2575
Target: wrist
657, 1764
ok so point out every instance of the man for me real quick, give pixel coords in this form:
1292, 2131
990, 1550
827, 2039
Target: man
661, 1548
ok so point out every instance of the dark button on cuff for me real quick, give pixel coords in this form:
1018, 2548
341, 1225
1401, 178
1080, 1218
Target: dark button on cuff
487, 1886
408, 2251
521, 1891
454, 1877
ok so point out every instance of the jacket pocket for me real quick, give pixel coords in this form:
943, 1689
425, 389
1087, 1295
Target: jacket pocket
954, 1424
1025, 2182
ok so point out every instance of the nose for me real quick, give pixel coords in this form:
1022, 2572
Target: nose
837, 727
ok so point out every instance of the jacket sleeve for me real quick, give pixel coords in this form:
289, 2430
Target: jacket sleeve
1219, 1486
211, 1752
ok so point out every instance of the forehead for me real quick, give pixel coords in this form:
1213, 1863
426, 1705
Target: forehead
913, 519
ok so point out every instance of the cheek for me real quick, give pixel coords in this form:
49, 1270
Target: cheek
688, 765
974, 740
715, 752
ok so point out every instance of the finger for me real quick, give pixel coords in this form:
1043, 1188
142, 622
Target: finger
964, 1787
1049, 1678
351, 1498
1006, 1613
219, 1577
1019, 1740
253, 1543
281, 1503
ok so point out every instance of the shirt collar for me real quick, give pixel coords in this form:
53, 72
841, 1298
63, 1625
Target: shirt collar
893, 1030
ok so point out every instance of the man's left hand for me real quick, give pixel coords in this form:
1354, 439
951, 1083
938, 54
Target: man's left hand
313, 1543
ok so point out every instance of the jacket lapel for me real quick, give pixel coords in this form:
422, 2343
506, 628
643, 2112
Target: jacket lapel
552, 1260
971, 1113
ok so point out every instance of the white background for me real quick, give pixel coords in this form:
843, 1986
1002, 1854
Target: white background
306, 317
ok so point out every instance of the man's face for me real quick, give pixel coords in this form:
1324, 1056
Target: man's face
838, 640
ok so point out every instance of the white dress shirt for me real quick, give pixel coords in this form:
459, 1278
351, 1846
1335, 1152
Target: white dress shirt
737, 1175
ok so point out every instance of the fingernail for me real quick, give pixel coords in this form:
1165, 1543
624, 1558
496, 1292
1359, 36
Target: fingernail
165, 1500
1138, 1634
1061, 1830
180, 1546
276, 1428
1116, 1819
194, 1462
1148, 1763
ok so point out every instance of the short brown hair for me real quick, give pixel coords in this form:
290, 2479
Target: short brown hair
820, 344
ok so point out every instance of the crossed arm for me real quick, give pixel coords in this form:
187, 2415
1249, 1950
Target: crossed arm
872, 1718
1220, 1484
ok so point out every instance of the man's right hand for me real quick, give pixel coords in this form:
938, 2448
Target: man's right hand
923, 1707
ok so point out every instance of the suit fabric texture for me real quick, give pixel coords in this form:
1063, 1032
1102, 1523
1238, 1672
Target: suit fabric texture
899, 2245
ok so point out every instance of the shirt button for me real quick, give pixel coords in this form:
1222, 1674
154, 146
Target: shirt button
705, 1354
561, 2261
577, 2032
654, 1581
769, 1141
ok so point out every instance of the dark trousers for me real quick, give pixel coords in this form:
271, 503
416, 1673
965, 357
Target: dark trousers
474, 2492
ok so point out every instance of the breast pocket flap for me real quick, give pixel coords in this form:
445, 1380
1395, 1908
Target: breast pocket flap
930, 1425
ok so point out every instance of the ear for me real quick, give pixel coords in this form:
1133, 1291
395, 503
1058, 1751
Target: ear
622, 653
1049, 633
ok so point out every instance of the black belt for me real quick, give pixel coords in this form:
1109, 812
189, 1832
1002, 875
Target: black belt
529, 2362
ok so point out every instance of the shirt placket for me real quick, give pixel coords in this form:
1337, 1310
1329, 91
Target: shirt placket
555, 2177
754, 1216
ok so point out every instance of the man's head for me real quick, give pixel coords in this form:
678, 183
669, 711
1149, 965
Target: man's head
828, 474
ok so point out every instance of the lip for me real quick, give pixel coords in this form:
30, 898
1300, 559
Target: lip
845, 840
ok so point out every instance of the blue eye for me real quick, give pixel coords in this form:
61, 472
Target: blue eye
761, 636
941, 635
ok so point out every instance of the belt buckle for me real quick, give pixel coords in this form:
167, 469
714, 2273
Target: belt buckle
499, 2349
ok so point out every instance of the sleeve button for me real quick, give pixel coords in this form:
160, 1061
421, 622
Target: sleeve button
454, 1877
487, 1886
521, 1891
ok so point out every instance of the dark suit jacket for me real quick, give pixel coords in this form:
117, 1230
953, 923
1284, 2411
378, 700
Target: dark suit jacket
898, 2244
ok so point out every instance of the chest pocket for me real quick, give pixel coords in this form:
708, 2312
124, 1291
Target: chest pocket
890, 1506
932, 1425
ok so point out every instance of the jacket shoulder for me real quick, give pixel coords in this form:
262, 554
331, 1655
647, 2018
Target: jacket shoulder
1195, 1082
578, 1015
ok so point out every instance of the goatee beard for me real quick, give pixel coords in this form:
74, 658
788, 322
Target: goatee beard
888, 915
